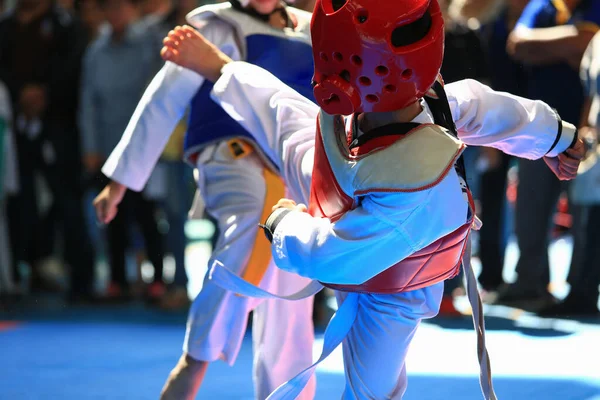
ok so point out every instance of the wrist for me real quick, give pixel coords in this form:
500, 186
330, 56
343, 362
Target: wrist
117, 187
273, 220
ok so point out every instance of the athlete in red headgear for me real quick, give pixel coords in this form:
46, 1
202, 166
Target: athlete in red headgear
389, 211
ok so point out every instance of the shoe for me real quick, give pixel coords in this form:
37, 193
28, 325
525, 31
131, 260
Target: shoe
571, 308
115, 293
155, 291
447, 308
524, 299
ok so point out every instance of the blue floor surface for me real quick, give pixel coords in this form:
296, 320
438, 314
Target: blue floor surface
126, 353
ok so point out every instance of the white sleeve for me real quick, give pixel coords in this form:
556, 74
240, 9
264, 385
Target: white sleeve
159, 111
518, 126
269, 109
385, 229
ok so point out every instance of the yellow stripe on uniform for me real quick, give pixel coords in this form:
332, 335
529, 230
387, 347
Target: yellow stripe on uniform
275, 190
563, 14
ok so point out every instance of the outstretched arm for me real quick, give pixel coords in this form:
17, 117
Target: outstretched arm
518, 126
159, 111
268, 109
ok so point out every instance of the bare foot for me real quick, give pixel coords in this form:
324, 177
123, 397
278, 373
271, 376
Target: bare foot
184, 380
186, 47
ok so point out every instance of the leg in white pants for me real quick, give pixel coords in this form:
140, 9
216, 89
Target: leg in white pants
234, 192
376, 346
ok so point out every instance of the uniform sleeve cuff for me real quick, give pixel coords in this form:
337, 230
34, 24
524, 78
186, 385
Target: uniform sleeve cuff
565, 138
274, 219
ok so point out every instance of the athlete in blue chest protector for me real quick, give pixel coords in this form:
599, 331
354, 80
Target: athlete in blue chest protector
238, 181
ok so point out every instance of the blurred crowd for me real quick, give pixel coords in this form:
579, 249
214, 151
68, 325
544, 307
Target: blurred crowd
73, 71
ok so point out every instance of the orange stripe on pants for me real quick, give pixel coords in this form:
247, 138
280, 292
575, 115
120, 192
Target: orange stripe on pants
261, 252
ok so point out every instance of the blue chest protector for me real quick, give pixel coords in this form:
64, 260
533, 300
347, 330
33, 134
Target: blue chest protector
289, 60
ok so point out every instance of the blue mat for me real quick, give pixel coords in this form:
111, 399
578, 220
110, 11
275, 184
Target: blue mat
61, 357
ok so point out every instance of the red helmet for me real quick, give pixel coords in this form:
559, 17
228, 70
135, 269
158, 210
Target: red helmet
375, 55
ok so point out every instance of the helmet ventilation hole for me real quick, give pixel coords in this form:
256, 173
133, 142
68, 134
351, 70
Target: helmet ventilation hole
345, 75
382, 70
362, 16
323, 57
371, 98
389, 88
356, 60
332, 99
363, 80
337, 4
406, 74
337, 56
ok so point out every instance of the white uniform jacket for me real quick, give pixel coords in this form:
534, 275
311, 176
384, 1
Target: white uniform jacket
169, 94
387, 227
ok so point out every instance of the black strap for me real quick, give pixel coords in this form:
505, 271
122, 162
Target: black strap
262, 17
400, 128
442, 116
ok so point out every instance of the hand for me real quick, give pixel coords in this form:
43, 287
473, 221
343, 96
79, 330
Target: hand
32, 100
566, 164
107, 201
186, 47
290, 205
92, 162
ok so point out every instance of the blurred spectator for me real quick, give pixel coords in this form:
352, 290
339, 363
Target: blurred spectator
67, 5
181, 187
109, 95
162, 16
550, 38
8, 186
582, 299
464, 58
92, 18
505, 75
40, 56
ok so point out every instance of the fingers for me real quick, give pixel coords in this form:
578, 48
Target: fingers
301, 207
284, 203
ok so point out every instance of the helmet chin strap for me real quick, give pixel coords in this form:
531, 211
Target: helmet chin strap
242, 5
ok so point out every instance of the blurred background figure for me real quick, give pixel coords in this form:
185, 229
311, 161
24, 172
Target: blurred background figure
505, 74
109, 95
549, 39
9, 185
41, 46
464, 58
584, 276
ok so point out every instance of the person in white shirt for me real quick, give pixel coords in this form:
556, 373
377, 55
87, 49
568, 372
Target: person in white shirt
389, 212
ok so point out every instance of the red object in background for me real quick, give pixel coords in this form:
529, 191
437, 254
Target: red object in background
6, 325
375, 56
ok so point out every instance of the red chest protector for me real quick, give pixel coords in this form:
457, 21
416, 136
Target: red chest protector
341, 176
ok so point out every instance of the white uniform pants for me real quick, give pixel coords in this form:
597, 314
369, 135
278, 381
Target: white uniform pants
375, 349
234, 191
376, 346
